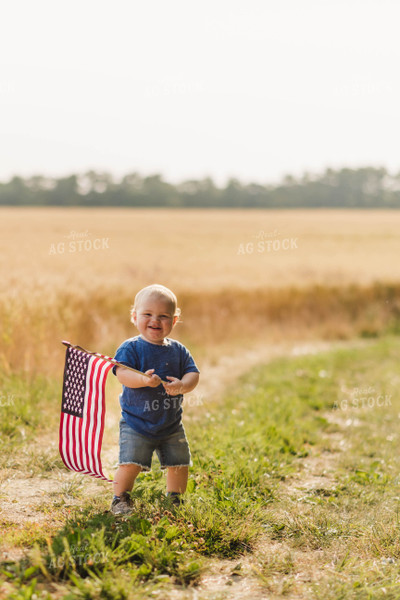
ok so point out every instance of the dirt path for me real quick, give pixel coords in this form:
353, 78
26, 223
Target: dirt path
24, 500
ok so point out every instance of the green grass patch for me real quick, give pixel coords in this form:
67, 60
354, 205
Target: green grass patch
25, 535
29, 407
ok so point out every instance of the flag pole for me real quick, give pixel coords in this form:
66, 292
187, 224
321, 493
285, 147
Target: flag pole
111, 360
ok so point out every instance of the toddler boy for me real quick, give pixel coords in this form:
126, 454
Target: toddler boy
151, 406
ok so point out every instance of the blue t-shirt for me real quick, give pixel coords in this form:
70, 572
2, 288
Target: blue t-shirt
151, 411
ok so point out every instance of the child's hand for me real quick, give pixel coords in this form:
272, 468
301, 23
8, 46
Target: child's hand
154, 381
173, 388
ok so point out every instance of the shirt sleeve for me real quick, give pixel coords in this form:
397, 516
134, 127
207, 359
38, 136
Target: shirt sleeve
126, 355
187, 361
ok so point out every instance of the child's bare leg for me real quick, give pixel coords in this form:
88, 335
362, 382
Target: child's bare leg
125, 478
177, 478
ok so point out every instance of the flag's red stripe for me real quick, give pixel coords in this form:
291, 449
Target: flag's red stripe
80, 442
73, 442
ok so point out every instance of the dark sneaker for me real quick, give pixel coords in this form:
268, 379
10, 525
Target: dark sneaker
175, 498
123, 505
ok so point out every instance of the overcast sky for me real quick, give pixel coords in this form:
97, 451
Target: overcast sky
253, 89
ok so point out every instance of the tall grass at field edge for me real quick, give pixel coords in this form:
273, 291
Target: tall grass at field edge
98, 319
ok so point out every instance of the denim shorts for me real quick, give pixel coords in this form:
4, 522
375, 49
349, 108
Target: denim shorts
134, 448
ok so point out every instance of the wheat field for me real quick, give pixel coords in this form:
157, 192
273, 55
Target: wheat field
194, 249
240, 275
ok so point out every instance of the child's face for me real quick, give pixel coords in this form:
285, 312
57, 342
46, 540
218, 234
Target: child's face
154, 318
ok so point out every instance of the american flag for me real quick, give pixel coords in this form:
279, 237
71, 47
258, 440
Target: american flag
83, 411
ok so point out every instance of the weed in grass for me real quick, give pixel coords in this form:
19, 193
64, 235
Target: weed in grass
43, 462
274, 564
275, 573
72, 488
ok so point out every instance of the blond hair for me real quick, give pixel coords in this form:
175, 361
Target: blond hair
157, 291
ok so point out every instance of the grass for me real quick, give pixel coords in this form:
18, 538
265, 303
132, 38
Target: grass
246, 447
28, 411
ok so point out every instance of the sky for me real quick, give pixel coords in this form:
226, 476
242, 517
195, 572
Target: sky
253, 89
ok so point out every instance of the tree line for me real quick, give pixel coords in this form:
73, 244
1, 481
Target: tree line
367, 187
